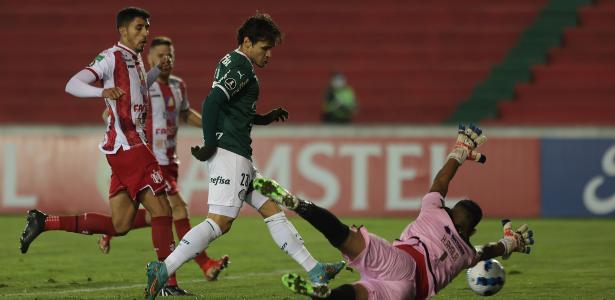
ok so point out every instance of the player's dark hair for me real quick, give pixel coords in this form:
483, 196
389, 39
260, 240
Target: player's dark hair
126, 15
259, 27
161, 40
475, 213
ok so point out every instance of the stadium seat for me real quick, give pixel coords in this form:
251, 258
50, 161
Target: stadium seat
577, 84
422, 56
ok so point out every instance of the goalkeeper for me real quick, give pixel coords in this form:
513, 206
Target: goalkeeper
430, 252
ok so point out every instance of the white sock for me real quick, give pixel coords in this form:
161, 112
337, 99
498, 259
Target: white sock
192, 244
288, 239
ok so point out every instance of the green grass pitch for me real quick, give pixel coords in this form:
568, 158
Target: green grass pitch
572, 259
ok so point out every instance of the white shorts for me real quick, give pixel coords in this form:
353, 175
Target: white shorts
230, 176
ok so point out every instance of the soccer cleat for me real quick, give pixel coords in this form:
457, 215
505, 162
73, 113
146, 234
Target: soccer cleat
173, 290
212, 267
321, 274
35, 224
273, 190
157, 277
104, 243
301, 286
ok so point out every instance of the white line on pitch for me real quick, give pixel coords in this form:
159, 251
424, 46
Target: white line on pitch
141, 285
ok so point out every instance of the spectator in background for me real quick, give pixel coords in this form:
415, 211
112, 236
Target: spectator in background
340, 103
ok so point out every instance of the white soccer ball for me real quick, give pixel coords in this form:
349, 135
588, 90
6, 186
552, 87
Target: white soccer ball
487, 277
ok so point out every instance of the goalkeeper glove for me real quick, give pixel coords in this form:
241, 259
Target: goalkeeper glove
516, 241
468, 139
203, 153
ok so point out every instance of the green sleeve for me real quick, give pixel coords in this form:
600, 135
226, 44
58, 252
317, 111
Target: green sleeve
211, 108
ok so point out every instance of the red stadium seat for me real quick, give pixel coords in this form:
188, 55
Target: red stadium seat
420, 56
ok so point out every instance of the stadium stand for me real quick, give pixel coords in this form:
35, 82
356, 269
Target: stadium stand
410, 61
577, 85
561, 77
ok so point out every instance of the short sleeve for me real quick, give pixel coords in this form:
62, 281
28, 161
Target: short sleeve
102, 66
432, 200
233, 79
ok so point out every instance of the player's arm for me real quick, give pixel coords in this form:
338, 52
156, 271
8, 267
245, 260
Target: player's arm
191, 117
468, 139
80, 85
211, 109
276, 115
513, 241
489, 251
165, 65
444, 177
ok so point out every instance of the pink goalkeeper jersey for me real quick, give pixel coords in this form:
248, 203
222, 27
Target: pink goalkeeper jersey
121, 67
168, 100
448, 254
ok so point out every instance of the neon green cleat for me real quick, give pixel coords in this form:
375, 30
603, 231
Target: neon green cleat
273, 190
303, 287
157, 277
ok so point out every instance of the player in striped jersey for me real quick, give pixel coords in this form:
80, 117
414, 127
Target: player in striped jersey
136, 176
170, 107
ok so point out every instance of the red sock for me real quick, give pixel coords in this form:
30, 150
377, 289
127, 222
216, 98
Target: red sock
182, 227
87, 223
172, 280
162, 236
140, 221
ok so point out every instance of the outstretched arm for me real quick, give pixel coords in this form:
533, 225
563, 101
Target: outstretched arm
490, 250
513, 241
467, 140
444, 177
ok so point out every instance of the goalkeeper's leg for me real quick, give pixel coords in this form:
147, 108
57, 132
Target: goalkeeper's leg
350, 243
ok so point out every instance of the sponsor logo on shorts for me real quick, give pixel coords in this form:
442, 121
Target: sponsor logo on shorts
157, 176
219, 180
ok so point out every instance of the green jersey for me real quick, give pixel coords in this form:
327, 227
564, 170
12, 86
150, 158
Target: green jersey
236, 78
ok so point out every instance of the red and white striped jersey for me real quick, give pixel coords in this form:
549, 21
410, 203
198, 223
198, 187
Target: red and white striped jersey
121, 67
168, 100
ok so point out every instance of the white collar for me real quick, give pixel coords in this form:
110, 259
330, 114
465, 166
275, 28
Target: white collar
120, 45
244, 55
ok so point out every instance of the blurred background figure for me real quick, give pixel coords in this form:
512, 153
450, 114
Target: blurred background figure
340, 103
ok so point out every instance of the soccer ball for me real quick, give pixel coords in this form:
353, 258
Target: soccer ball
487, 277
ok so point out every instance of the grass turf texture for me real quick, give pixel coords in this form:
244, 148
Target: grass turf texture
572, 259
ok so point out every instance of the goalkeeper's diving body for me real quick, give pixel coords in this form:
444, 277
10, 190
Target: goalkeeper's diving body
430, 251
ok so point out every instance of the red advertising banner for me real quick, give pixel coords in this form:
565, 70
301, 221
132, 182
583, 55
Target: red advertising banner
353, 175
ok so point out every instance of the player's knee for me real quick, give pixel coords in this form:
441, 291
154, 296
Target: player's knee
122, 227
223, 222
269, 208
353, 244
360, 292
161, 208
179, 210
226, 226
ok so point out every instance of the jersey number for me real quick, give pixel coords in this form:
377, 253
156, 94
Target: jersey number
245, 179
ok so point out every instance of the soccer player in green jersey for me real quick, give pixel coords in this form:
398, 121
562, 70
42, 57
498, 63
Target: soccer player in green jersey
228, 115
